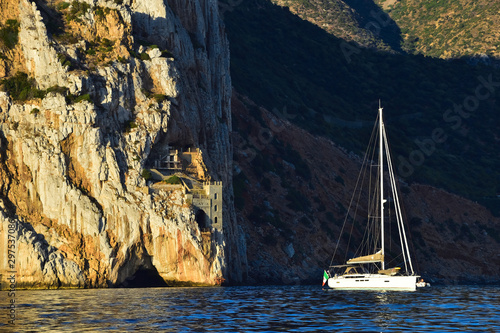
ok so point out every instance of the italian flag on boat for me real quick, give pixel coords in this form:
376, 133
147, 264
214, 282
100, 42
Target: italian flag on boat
325, 277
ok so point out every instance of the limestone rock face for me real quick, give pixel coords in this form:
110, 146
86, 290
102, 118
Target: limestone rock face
71, 162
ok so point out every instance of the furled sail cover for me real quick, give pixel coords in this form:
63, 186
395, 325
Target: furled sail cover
390, 271
371, 258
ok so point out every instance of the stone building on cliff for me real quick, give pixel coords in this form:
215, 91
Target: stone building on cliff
208, 205
204, 196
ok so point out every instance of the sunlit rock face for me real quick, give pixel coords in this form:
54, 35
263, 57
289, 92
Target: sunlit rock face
120, 82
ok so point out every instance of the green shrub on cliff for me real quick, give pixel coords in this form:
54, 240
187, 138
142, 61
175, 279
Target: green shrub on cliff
146, 174
71, 99
173, 180
62, 5
9, 33
77, 9
159, 97
106, 45
58, 89
84, 97
20, 87
64, 60
129, 125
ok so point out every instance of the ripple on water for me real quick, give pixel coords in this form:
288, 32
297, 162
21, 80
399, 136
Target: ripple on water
258, 309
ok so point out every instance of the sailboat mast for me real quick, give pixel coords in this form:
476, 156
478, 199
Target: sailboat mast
381, 168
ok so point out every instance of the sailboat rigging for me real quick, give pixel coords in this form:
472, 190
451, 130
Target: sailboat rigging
367, 270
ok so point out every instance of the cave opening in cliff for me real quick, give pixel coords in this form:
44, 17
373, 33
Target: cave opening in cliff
167, 142
201, 219
145, 278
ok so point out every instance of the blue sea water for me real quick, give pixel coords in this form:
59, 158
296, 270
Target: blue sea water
255, 309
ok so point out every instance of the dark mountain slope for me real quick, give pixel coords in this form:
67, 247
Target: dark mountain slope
331, 88
291, 193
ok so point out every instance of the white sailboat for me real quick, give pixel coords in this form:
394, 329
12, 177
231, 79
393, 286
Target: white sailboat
367, 270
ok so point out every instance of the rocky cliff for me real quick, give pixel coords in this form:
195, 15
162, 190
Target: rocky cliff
93, 93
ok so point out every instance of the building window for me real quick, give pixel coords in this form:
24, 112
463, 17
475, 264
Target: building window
215, 208
215, 220
215, 196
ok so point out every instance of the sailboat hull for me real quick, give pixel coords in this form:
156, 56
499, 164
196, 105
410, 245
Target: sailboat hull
373, 281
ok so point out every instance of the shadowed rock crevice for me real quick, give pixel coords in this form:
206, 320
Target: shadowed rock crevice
144, 278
